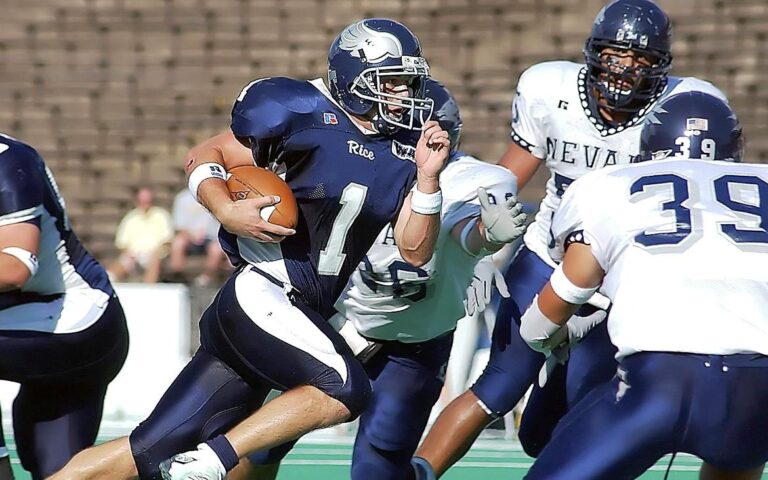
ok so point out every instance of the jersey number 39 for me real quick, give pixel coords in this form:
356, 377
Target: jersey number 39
749, 208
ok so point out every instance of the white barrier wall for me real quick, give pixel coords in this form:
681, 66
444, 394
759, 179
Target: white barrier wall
159, 327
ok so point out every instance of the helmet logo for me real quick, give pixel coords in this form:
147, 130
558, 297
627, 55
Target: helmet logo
628, 34
694, 126
375, 46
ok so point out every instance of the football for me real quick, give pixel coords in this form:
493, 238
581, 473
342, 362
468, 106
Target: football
252, 181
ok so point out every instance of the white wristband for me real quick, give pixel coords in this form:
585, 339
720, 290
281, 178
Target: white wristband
566, 290
203, 172
26, 257
537, 330
426, 203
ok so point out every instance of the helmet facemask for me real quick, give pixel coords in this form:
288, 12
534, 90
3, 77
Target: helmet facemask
391, 109
624, 88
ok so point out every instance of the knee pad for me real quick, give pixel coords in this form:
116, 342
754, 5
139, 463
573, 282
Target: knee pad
355, 393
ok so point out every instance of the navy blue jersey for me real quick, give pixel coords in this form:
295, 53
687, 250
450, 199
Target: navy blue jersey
28, 194
348, 184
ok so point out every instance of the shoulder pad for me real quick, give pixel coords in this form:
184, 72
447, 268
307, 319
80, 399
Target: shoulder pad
270, 107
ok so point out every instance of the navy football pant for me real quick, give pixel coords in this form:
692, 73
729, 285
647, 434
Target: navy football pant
707, 405
591, 363
63, 380
513, 366
406, 380
253, 339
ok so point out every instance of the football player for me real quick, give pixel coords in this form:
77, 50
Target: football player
62, 330
266, 329
575, 118
401, 318
679, 245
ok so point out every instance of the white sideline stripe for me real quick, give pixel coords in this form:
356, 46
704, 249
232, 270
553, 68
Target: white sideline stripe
339, 451
513, 465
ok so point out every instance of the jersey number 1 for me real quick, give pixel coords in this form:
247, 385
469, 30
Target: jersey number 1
332, 256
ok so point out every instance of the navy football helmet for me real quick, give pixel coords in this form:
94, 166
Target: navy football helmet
692, 125
639, 26
363, 58
446, 111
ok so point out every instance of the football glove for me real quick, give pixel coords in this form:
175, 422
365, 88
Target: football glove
559, 346
480, 290
200, 464
505, 222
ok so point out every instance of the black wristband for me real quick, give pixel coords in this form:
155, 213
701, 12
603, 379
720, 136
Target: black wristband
223, 449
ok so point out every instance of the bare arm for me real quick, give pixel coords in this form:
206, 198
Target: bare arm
522, 163
416, 233
242, 217
13, 273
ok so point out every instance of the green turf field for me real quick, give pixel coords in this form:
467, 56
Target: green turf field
328, 458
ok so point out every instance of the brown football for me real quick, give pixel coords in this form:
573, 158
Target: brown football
252, 182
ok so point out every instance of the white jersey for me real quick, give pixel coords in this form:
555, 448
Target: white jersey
70, 290
685, 250
388, 299
551, 118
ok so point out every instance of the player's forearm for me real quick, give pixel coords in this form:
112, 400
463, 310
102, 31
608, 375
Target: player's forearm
223, 150
419, 236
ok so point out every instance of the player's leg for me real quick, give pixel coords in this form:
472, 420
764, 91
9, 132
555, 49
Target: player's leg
624, 426
265, 336
708, 472
6, 472
591, 363
63, 380
205, 400
261, 465
545, 407
407, 380
726, 428
512, 368
246, 470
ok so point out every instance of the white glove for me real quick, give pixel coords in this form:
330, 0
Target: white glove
480, 290
200, 464
560, 345
505, 222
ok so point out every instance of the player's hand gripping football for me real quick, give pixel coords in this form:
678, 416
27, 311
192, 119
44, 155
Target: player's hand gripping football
504, 222
245, 218
432, 152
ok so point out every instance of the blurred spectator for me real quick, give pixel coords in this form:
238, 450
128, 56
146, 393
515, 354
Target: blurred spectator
142, 238
197, 233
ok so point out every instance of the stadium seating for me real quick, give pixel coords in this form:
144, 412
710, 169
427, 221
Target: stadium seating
113, 92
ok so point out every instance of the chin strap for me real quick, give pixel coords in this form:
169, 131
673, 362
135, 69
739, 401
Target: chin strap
383, 127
